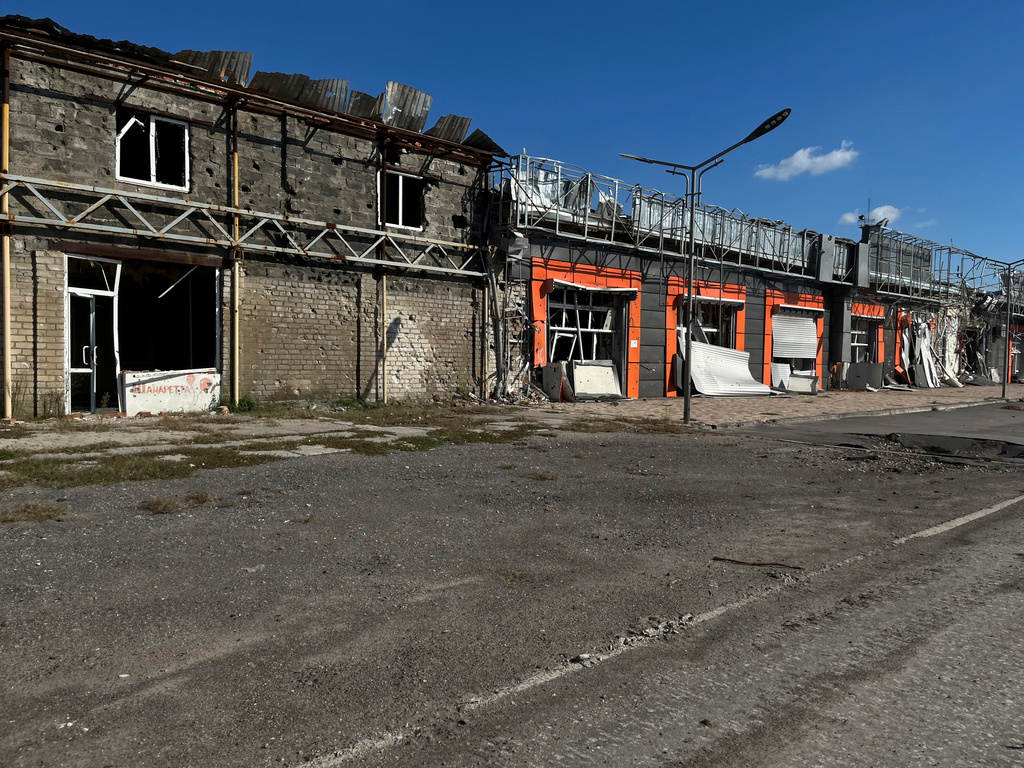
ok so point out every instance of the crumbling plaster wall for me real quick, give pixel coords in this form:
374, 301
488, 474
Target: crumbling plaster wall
309, 329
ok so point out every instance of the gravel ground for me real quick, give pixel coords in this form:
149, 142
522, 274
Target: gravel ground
353, 605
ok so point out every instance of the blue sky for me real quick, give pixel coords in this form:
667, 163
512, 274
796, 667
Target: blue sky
913, 108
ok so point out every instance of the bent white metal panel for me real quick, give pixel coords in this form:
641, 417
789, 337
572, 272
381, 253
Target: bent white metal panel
722, 372
193, 391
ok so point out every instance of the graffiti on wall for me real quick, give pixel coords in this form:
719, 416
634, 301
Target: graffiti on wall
170, 391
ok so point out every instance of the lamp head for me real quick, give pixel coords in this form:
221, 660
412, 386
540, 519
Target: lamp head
768, 125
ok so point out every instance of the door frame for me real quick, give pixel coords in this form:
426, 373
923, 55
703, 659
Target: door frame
91, 293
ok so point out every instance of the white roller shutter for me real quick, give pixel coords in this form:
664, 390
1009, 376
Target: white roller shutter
794, 336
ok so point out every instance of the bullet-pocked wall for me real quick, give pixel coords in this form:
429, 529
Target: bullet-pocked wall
309, 327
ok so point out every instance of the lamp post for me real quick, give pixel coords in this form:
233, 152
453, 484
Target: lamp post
678, 169
1009, 320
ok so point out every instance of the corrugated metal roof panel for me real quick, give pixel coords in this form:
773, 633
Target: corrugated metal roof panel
451, 128
364, 105
225, 66
480, 140
405, 107
329, 94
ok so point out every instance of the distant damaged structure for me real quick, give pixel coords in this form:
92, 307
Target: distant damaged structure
177, 231
596, 282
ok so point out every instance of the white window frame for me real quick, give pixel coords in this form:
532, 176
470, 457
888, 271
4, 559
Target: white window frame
153, 121
382, 202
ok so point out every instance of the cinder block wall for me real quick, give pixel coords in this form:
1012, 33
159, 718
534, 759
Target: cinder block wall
309, 329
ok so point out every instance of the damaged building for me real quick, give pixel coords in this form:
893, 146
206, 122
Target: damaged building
178, 230
596, 289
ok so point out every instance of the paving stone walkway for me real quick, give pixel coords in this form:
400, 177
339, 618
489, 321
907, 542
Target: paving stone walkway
732, 411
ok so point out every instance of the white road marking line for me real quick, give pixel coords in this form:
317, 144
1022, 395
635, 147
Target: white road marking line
937, 529
387, 740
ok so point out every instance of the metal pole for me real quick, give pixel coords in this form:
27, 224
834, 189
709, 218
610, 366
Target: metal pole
1008, 336
236, 266
692, 261
5, 160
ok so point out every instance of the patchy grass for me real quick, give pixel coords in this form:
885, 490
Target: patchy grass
35, 512
102, 445
107, 470
15, 432
507, 465
182, 423
541, 474
163, 505
639, 426
69, 424
437, 415
71, 471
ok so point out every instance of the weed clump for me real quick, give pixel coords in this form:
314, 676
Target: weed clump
35, 512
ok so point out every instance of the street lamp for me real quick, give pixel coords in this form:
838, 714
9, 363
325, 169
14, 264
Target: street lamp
676, 169
1009, 321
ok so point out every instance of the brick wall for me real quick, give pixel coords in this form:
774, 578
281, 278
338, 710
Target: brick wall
310, 328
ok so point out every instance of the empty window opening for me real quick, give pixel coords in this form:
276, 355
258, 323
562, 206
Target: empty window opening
403, 200
864, 340
587, 326
168, 317
714, 321
152, 150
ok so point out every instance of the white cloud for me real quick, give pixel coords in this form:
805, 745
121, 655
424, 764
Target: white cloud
889, 212
807, 160
885, 212
928, 223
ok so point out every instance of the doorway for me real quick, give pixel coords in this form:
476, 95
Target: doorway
91, 354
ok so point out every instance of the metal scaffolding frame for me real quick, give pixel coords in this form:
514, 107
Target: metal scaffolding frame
82, 208
570, 203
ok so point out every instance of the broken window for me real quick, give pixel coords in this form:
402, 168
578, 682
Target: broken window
403, 200
585, 329
864, 340
582, 324
715, 320
152, 150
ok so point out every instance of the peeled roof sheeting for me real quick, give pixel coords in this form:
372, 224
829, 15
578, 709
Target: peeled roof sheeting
364, 105
722, 372
405, 107
329, 94
230, 67
480, 140
451, 128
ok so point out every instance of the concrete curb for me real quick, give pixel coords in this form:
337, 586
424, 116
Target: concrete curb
856, 414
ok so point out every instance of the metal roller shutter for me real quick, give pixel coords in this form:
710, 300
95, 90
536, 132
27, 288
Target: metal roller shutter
794, 335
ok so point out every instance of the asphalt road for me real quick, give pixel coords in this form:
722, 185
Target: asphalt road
553, 602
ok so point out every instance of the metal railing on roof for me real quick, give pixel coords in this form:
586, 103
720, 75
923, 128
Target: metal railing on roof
568, 202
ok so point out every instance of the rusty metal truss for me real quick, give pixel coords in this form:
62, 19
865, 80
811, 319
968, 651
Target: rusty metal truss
81, 208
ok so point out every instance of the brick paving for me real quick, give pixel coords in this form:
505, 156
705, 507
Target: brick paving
733, 411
